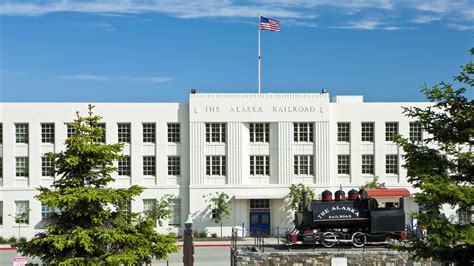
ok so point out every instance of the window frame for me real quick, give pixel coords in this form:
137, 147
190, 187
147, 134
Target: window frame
390, 167
367, 131
149, 132
22, 133
47, 167
216, 132
343, 164
19, 172
343, 132
175, 215
260, 165
174, 132
259, 132
416, 131
47, 133
391, 129
124, 132
216, 165
303, 165
124, 166
368, 164
303, 132
174, 166
149, 165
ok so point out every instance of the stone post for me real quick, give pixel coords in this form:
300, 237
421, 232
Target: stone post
188, 246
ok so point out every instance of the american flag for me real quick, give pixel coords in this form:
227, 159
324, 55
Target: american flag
269, 24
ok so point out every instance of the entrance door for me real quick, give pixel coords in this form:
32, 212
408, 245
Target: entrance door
260, 222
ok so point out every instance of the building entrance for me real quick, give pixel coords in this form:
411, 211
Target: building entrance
259, 216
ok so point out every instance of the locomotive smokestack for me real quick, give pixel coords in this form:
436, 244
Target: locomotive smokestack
305, 199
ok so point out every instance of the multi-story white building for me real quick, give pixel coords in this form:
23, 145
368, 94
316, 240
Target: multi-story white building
250, 146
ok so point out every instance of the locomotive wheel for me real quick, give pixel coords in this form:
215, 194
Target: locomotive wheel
329, 239
359, 239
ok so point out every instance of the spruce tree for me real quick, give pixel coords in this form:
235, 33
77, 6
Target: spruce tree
442, 168
92, 224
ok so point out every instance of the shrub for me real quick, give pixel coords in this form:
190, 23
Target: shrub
202, 234
12, 240
214, 235
22, 239
2, 240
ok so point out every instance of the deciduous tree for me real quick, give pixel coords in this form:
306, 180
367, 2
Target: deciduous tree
219, 205
442, 168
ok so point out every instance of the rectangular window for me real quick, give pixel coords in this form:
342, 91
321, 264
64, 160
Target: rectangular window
21, 133
344, 164
149, 165
367, 131
1, 167
149, 205
124, 166
391, 164
124, 132
47, 166
1, 133
70, 131
126, 207
415, 131
303, 132
260, 132
391, 129
47, 133
1, 212
259, 204
368, 164
260, 165
216, 165
22, 212
343, 132
101, 139
174, 133
303, 165
46, 212
149, 132
174, 165
175, 217
21, 167
215, 132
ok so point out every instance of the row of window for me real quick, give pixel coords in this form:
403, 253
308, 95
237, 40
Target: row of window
124, 166
344, 164
367, 131
22, 210
217, 165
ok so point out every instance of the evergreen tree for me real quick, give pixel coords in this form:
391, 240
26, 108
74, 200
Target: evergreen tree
93, 224
442, 168
295, 196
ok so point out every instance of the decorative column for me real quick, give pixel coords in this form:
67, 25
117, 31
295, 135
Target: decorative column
188, 245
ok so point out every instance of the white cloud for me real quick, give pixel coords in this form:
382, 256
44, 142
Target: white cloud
104, 78
423, 19
460, 27
369, 24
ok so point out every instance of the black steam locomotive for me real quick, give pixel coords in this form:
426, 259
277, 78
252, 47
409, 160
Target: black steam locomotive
357, 219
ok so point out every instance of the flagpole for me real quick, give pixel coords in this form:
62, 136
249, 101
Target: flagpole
259, 79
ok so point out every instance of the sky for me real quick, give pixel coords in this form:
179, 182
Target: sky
157, 51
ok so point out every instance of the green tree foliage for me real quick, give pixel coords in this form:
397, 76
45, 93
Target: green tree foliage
219, 205
93, 225
373, 184
442, 167
295, 196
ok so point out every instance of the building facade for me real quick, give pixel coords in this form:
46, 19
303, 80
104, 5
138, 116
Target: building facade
250, 146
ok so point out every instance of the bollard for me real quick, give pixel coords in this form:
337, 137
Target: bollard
188, 245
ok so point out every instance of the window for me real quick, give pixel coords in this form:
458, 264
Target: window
303, 165
1, 212
303, 132
173, 133
391, 129
368, 164
1, 133
46, 212
259, 204
259, 165
1, 167
344, 164
47, 133
215, 213
216, 165
101, 139
391, 164
149, 205
343, 132
70, 131
174, 165
415, 131
259, 132
215, 132
126, 207
124, 132
21, 169
124, 166
21, 133
368, 132
465, 215
47, 166
149, 132
175, 216
149, 165
22, 212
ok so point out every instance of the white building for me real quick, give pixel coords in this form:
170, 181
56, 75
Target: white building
250, 146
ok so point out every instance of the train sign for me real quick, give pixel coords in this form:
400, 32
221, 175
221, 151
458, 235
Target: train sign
337, 210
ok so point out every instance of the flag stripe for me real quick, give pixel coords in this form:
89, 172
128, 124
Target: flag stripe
269, 24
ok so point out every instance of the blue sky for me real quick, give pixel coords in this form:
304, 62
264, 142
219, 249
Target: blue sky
146, 51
